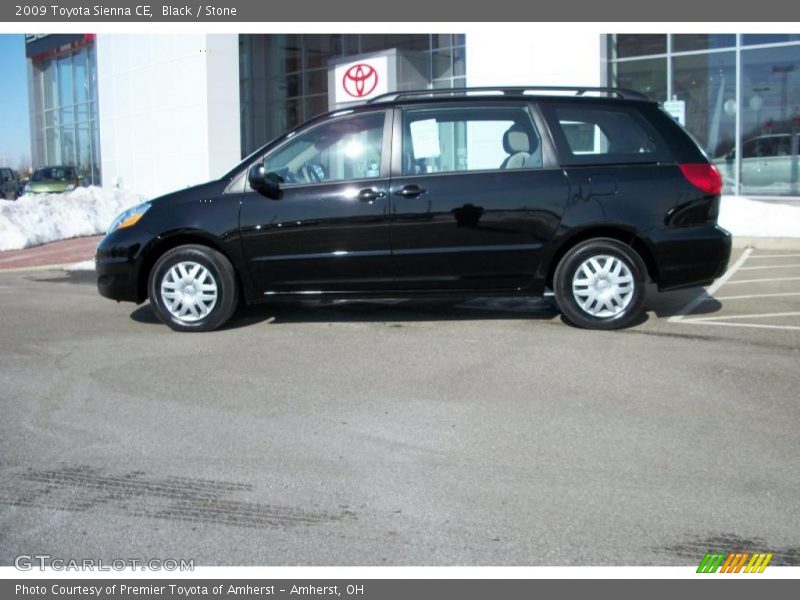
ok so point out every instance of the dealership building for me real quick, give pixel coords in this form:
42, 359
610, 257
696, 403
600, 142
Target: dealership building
156, 112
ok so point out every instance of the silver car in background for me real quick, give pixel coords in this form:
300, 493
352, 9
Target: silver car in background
769, 165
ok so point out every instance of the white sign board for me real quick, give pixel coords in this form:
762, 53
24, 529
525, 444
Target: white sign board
677, 110
362, 79
425, 139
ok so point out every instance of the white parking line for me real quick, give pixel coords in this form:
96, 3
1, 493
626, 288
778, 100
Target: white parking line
709, 291
774, 256
770, 267
753, 316
748, 296
727, 324
762, 280
725, 321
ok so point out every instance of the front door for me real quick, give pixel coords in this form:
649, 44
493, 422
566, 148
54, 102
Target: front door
475, 198
328, 230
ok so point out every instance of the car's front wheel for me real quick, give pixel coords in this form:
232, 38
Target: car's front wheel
193, 288
600, 284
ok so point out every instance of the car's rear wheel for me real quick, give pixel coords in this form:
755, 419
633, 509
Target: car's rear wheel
193, 288
600, 284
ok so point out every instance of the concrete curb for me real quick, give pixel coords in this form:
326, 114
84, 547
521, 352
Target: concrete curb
55, 267
764, 243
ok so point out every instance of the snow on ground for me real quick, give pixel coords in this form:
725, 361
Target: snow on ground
36, 219
86, 265
755, 218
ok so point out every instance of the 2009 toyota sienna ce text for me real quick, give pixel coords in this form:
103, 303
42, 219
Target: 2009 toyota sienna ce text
506, 191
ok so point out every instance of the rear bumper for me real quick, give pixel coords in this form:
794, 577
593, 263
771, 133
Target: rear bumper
691, 256
118, 262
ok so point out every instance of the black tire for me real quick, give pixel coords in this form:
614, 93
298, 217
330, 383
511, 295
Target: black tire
224, 278
629, 311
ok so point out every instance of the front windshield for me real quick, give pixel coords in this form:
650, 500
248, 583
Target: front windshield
58, 174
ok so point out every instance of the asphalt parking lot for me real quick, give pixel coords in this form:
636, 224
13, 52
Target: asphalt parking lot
761, 291
483, 433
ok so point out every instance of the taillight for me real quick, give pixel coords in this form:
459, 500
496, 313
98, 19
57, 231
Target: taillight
704, 176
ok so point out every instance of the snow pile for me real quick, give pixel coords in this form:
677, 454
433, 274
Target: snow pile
756, 218
36, 219
85, 265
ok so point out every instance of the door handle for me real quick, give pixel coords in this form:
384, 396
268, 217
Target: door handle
369, 194
410, 191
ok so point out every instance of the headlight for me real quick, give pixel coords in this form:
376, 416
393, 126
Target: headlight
69, 187
129, 217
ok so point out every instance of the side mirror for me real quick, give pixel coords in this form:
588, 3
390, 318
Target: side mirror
265, 183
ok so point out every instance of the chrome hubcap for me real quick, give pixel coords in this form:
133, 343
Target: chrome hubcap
189, 291
603, 286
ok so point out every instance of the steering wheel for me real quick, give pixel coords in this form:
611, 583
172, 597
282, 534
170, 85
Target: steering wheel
312, 173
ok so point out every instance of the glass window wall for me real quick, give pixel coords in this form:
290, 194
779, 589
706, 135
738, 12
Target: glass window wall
283, 79
750, 126
64, 112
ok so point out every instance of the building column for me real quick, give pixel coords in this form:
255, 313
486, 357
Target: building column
168, 108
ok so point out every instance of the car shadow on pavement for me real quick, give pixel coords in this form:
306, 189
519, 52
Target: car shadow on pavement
674, 303
389, 311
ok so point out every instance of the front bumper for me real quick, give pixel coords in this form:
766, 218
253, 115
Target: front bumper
691, 256
118, 262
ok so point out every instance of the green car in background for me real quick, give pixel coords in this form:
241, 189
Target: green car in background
52, 180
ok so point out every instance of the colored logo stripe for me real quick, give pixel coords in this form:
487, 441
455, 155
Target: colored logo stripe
711, 562
758, 563
734, 562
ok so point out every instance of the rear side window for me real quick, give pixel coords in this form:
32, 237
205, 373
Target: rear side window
603, 135
770, 145
447, 140
59, 174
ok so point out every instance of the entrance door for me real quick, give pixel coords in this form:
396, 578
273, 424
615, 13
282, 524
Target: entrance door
328, 229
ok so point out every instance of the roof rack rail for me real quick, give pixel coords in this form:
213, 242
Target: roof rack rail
508, 91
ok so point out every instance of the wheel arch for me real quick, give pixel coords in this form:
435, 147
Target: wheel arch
169, 241
617, 232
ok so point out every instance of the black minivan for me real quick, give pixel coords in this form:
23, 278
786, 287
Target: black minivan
590, 192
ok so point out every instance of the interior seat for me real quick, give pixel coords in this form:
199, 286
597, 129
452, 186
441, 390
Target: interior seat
519, 146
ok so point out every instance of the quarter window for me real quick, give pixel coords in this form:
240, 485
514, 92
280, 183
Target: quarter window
453, 139
604, 135
347, 148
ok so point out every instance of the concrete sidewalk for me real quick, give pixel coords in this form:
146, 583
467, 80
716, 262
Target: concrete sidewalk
55, 254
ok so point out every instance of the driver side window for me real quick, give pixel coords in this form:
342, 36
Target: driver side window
343, 149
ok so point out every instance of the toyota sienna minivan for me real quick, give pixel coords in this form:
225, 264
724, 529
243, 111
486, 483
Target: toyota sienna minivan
590, 193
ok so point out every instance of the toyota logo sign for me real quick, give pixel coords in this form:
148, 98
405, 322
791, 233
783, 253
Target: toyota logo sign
360, 80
